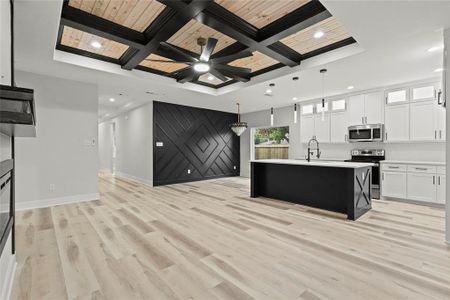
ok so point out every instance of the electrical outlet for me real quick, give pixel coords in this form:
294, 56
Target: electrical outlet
52, 187
234, 167
189, 171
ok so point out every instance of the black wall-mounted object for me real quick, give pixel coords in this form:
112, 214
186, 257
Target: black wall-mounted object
191, 144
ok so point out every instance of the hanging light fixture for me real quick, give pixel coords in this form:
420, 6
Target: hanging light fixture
323, 71
271, 116
295, 105
238, 127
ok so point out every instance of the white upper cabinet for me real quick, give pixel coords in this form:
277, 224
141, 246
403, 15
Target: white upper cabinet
397, 123
373, 108
338, 127
307, 109
424, 92
422, 126
338, 105
356, 110
306, 127
322, 127
439, 121
397, 96
366, 109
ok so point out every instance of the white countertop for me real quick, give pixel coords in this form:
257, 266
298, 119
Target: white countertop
315, 163
407, 162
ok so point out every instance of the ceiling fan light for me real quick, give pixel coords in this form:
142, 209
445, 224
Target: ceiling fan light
201, 67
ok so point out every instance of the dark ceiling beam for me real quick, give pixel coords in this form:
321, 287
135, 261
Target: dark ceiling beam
300, 19
89, 23
167, 24
331, 47
220, 19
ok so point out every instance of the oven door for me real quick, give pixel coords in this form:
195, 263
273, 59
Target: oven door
360, 134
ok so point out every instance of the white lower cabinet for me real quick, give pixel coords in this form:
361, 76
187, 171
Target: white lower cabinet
424, 183
393, 184
421, 187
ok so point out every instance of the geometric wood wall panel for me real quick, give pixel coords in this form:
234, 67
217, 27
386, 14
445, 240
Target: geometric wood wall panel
193, 138
187, 36
82, 40
256, 62
137, 14
162, 66
304, 41
260, 13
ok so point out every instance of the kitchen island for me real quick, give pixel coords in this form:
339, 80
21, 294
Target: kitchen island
342, 187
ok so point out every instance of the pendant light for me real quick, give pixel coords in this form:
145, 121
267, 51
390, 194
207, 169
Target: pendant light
323, 71
295, 79
271, 116
238, 127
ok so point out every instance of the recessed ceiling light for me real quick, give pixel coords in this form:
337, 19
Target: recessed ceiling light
268, 91
436, 48
107, 115
210, 78
294, 98
201, 67
96, 44
319, 34
350, 87
112, 99
438, 70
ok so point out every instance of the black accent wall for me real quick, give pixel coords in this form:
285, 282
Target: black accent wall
193, 139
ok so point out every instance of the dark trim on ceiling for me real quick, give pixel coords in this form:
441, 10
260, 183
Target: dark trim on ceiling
87, 54
342, 43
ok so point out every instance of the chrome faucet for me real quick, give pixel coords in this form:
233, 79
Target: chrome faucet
311, 151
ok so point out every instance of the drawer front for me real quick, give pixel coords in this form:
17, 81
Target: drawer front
393, 167
421, 169
440, 170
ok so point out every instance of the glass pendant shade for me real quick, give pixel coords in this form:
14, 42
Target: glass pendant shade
238, 127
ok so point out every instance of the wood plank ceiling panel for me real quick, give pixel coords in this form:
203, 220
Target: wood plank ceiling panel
304, 41
186, 38
256, 62
81, 40
260, 13
134, 14
161, 66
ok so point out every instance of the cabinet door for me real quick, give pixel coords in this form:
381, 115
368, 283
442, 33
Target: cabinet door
422, 187
338, 127
397, 123
422, 125
355, 110
373, 108
306, 128
393, 184
397, 96
322, 128
439, 120
424, 92
440, 193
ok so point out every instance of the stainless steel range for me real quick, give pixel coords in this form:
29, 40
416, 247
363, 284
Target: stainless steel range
374, 156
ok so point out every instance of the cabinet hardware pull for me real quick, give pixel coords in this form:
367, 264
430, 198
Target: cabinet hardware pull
422, 169
439, 180
435, 132
440, 134
392, 167
362, 120
385, 135
382, 176
433, 179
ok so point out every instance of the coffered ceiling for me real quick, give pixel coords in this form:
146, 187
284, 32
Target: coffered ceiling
259, 35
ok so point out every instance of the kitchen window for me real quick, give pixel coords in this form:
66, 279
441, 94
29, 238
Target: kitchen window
271, 143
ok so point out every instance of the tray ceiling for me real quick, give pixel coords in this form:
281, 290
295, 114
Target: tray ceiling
131, 33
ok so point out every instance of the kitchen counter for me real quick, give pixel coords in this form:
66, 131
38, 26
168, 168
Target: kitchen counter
316, 163
407, 162
342, 187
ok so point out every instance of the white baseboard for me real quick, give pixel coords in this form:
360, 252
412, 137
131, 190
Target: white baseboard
135, 178
56, 201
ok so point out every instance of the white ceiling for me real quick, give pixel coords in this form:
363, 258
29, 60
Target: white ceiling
393, 38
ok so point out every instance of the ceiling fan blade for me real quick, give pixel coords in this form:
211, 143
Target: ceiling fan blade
228, 68
232, 57
168, 61
208, 49
239, 74
186, 75
218, 75
187, 56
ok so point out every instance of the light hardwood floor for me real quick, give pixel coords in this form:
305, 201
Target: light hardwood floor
209, 240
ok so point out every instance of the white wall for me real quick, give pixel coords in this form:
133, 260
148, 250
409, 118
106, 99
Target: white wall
105, 146
64, 154
5, 45
134, 140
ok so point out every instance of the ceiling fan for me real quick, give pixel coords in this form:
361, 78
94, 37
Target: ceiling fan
203, 63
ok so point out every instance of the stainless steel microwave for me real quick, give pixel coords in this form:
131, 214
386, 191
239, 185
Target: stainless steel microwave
366, 133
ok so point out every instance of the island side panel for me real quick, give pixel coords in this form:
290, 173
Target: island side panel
362, 200
327, 188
